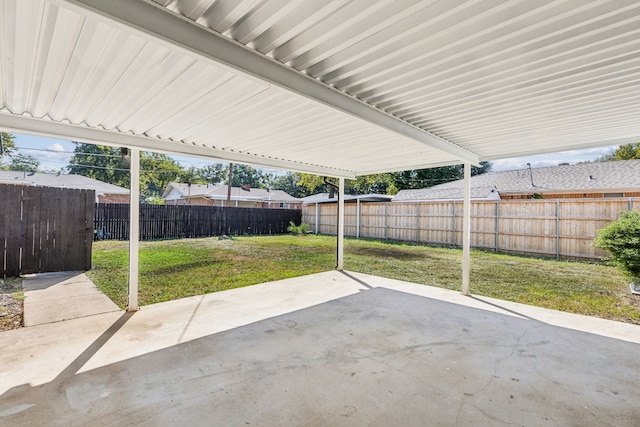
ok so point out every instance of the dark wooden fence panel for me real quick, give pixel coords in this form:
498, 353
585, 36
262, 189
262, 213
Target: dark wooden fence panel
45, 229
179, 222
11, 229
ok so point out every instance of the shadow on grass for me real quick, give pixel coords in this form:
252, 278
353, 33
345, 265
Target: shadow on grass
395, 253
184, 266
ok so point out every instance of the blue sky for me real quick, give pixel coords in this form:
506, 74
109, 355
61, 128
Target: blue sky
54, 154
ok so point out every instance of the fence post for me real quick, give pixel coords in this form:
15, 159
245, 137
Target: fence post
557, 228
317, 216
630, 203
497, 224
357, 218
386, 221
453, 237
418, 223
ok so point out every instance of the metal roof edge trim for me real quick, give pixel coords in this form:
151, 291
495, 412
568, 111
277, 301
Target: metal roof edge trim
162, 25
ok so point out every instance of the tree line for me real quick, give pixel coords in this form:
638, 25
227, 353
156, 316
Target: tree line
111, 165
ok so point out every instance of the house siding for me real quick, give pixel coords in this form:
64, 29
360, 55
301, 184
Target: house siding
191, 201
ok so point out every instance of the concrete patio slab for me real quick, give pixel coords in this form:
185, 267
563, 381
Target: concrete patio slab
52, 297
326, 349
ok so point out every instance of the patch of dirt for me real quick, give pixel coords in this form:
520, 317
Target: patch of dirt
11, 297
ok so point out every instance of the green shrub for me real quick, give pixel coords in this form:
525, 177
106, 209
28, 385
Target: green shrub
298, 230
622, 239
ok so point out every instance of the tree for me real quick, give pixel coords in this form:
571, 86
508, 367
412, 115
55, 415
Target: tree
21, 162
289, 184
623, 152
191, 175
383, 183
622, 239
8, 144
243, 174
209, 174
7, 147
422, 178
157, 171
313, 183
212, 174
100, 162
111, 165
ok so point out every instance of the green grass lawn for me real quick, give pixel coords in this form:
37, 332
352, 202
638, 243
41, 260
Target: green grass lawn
180, 268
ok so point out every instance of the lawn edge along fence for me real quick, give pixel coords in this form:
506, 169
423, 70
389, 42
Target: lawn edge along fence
159, 222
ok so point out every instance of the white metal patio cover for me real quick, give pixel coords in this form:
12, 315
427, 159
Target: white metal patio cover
338, 88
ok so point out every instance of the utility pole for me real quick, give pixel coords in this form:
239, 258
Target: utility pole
229, 186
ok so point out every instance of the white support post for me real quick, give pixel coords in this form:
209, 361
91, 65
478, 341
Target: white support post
134, 229
466, 230
340, 255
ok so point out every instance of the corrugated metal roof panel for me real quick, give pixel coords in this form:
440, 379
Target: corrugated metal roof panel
495, 79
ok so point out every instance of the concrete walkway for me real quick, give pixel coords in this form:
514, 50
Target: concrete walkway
327, 349
52, 297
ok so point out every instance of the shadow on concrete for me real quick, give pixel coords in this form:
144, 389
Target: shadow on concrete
39, 398
86, 355
54, 297
40, 281
503, 308
380, 357
355, 279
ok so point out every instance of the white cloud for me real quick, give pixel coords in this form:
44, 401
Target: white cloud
51, 152
55, 147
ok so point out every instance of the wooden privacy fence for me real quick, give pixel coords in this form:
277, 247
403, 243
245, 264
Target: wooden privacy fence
45, 229
176, 222
563, 228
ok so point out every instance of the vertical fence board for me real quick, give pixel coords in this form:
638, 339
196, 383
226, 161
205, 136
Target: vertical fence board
12, 200
30, 257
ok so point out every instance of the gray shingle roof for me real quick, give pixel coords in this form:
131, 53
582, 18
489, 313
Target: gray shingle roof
60, 181
599, 176
219, 192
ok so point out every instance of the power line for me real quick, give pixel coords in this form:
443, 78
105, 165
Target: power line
66, 152
142, 159
122, 169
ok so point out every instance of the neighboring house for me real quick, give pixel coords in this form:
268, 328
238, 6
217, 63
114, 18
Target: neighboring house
216, 195
105, 193
584, 180
326, 198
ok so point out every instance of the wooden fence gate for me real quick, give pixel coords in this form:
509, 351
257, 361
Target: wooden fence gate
45, 229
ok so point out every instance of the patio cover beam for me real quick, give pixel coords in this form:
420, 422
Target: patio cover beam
50, 128
161, 26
